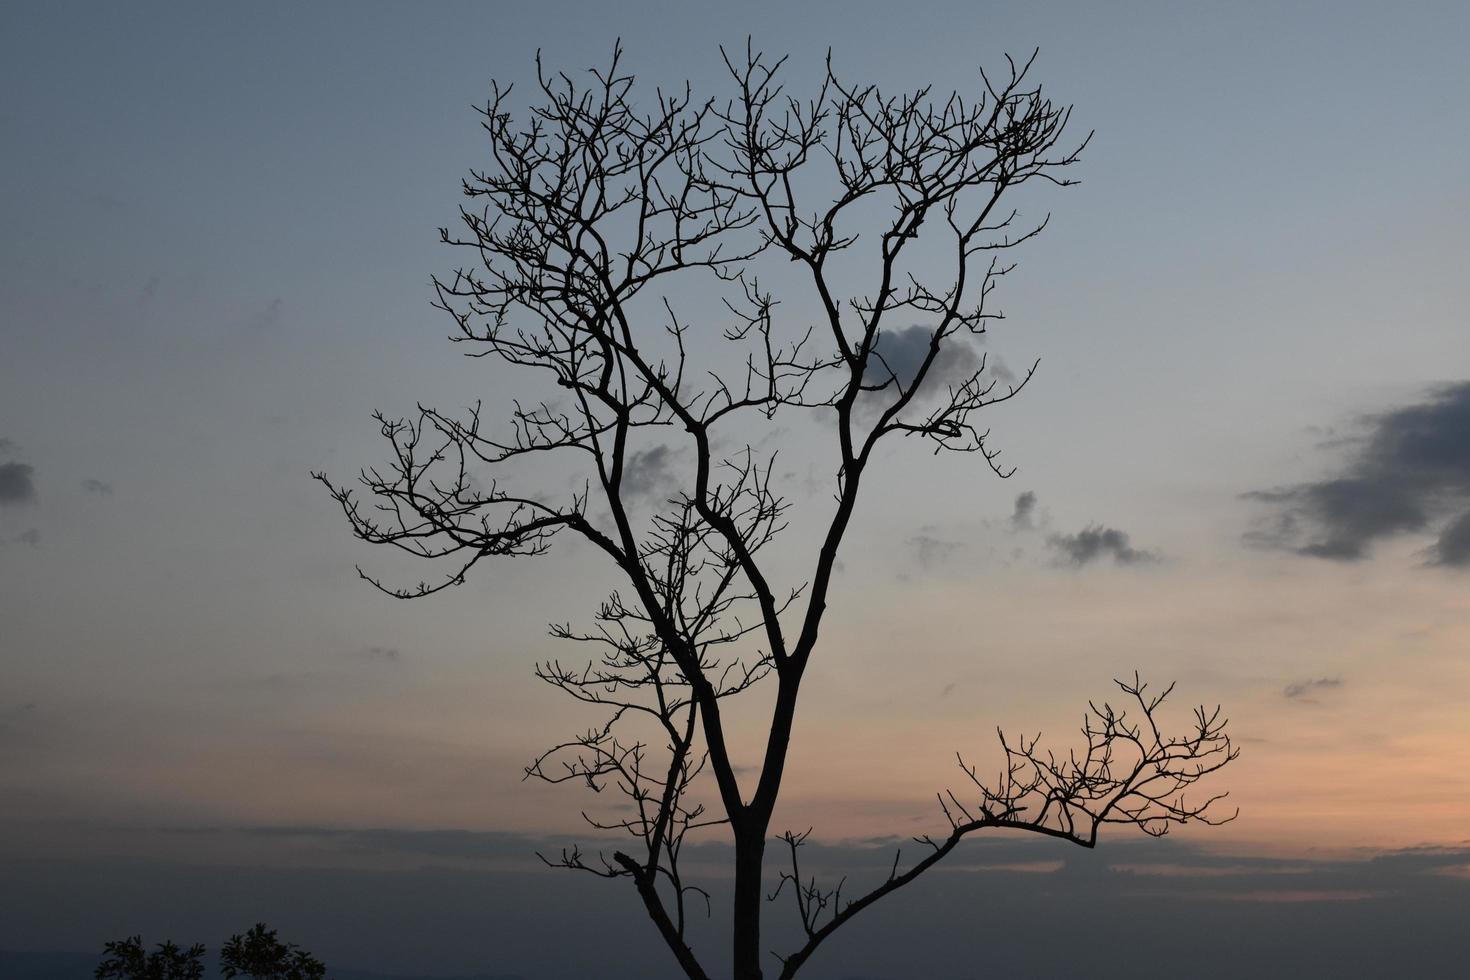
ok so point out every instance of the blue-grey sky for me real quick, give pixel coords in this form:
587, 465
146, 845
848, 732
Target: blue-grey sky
1245, 448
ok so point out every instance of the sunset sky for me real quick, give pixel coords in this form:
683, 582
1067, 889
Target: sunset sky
1244, 465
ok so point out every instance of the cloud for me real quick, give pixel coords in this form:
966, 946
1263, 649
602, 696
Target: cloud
931, 551
12, 717
270, 317
30, 536
1096, 541
384, 654
901, 352
1453, 548
649, 472
104, 201
16, 485
98, 487
8, 447
1023, 515
1001, 370
1299, 690
1405, 471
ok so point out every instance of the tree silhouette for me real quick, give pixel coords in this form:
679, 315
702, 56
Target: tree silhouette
258, 954
126, 959
594, 225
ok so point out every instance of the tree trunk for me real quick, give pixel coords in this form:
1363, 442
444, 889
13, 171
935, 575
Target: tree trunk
750, 848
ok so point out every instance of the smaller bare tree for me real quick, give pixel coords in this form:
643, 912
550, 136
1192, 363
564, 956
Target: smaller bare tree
1129, 773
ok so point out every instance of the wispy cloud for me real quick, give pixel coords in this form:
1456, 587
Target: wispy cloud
1303, 690
930, 550
382, 654
270, 317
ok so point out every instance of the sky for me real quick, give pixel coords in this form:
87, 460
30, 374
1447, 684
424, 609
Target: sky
1244, 465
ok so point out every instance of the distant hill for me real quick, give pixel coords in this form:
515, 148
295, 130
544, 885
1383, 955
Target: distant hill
79, 966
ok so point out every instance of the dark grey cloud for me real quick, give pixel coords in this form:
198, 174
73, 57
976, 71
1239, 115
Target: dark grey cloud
650, 472
900, 352
1097, 541
30, 536
1453, 547
16, 484
1405, 471
1023, 514
8, 447
99, 487
1301, 690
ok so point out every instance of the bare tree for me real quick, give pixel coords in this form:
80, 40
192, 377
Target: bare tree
587, 215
